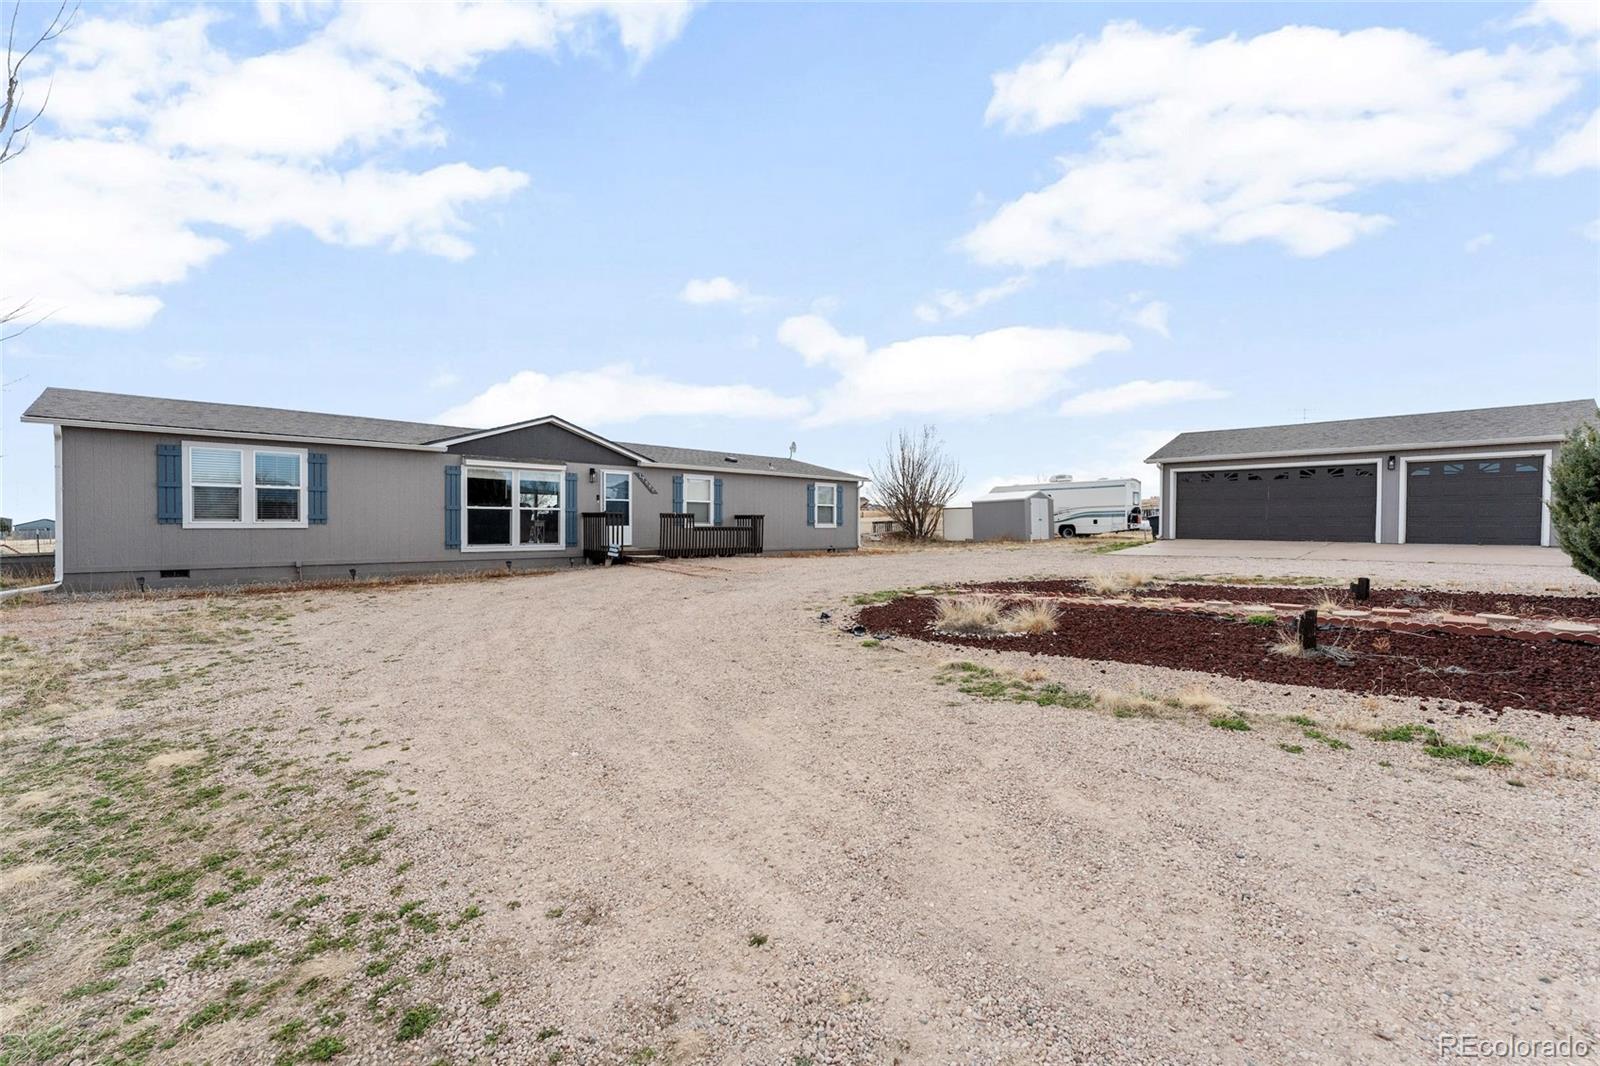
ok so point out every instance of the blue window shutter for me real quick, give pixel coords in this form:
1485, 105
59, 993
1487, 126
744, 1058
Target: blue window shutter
572, 510
716, 497
811, 504
838, 505
317, 488
677, 493
169, 484
452, 507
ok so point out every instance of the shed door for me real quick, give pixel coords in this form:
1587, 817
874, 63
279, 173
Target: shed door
1280, 503
1475, 501
1039, 514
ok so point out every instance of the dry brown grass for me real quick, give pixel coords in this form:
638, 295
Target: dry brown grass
1035, 616
977, 613
1113, 584
1194, 698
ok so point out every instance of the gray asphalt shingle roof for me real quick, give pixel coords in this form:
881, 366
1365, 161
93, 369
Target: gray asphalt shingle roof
81, 405
1483, 425
667, 455
85, 406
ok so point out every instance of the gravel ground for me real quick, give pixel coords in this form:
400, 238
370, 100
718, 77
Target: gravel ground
734, 834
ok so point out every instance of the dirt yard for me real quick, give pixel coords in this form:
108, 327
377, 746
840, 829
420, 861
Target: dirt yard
669, 814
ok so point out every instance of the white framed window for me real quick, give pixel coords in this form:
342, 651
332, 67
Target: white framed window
827, 506
230, 486
697, 496
512, 507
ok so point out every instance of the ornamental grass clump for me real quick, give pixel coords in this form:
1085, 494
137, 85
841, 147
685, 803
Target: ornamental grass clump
978, 614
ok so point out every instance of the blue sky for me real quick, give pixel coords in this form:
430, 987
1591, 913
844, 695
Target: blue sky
1059, 233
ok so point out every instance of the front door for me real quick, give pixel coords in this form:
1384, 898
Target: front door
619, 500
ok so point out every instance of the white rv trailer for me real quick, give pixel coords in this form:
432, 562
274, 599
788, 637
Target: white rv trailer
1084, 507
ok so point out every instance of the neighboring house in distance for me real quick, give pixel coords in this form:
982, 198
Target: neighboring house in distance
38, 529
1451, 477
177, 491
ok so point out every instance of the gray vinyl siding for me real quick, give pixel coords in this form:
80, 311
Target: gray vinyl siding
1388, 490
385, 515
781, 499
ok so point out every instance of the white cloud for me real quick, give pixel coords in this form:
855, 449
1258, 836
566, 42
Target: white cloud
1592, 230
1580, 18
949, 303
444, 379
614, 394
955, 374
1134, 395
1576, 149
715, 290
1153, 315
185, 362
1478, 243
1245, 139
160, 147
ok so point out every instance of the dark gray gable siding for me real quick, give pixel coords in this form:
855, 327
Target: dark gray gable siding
543, 442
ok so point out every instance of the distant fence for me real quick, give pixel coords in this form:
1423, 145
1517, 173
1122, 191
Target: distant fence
26, 568
682, 538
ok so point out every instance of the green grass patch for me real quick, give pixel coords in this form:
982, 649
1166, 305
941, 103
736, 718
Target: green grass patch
1292, 749
871, 642
323, 1049
1405, 734
1261, 620
1233, 722
417, 1021
868, 599
758, 940
1330, 741
1469, 753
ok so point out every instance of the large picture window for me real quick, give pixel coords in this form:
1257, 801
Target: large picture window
510, 507
697, 499
234, 487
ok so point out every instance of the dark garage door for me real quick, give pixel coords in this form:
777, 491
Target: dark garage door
1475, 501
1281, 503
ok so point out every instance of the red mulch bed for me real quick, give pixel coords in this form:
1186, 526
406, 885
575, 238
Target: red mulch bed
1577, 608
1556, 677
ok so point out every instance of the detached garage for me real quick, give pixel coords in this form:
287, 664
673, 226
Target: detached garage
1451, 477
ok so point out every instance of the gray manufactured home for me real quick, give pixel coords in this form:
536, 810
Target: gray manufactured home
171, 492
1450, 477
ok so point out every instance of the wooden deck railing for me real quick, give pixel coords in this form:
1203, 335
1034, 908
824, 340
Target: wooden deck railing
681, 538
602, 535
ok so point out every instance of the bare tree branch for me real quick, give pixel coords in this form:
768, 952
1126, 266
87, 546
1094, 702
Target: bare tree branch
14, 129
915, 481
11, 126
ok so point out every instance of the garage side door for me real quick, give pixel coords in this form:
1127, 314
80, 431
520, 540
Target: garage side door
1475, 501
1282, 503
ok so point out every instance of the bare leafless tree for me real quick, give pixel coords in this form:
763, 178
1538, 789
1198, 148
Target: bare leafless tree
14, 126
915, 481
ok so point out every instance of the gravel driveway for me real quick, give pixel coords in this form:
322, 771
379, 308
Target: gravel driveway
689, 756
704, 825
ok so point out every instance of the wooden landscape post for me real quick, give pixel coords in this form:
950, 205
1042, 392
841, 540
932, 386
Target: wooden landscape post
1361, 588
1308, 630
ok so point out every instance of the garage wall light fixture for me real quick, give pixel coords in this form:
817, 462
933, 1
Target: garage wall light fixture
591, 474
1387, 466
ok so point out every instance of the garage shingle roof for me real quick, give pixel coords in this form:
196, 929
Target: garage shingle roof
1483, 425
